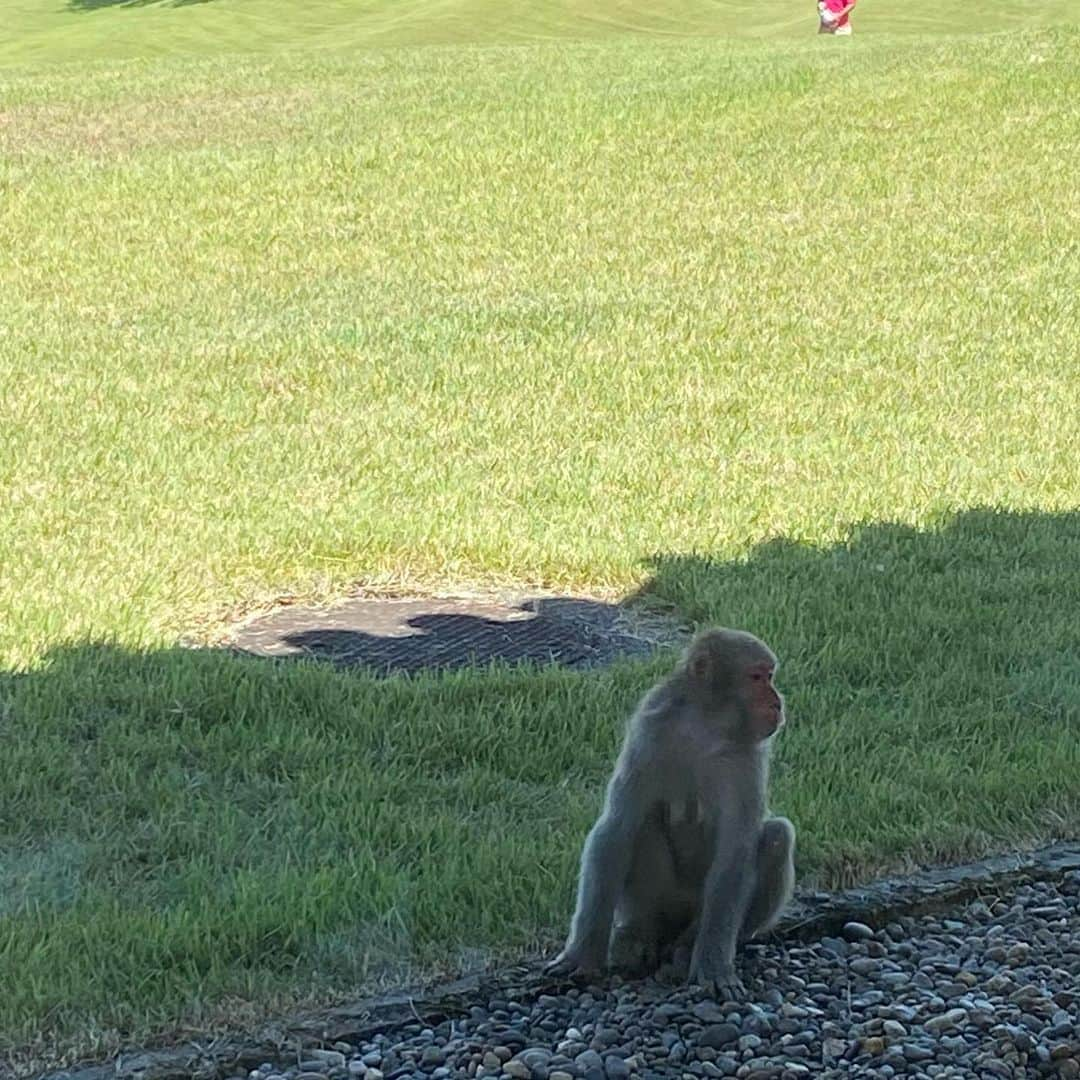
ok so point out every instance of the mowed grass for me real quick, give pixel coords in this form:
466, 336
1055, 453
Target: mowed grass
780, 333
45, 31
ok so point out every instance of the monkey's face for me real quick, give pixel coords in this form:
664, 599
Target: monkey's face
762, 706
729, 675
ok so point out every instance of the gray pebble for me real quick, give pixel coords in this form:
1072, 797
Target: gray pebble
330, 1058
857, 931
832, 1049
868, 999
989, 992
916, 1052
615, 1067
708, 1012
432, 1057
951, 1019
718, 1036
589, 1059
536, 1057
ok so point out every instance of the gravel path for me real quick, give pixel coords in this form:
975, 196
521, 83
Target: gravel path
992, 991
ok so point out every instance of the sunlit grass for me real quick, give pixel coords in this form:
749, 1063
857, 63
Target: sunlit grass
51, 31
605, 315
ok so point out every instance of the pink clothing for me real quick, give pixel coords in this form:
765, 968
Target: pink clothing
835, 6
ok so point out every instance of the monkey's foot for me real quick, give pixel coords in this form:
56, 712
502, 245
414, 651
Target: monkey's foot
725, 984
572, 962
729, 988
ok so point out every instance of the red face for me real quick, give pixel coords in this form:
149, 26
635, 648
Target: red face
763, 703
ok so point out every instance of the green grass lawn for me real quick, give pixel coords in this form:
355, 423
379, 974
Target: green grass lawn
778, 330
44, 32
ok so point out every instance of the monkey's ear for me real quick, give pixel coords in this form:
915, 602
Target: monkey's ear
699, 664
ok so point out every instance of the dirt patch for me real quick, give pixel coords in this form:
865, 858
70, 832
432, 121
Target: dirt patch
389, 635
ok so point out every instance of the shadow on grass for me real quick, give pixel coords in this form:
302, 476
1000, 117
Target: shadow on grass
98, 5
989, 595
228, 823
386, 636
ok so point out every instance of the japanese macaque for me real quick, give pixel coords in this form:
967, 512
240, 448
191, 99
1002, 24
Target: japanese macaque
684, 856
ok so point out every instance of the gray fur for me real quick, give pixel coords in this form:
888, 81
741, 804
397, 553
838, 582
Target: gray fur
684, 858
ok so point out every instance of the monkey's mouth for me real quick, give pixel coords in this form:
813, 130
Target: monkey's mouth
772, 728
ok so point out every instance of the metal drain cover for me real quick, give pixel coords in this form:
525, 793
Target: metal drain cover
421, 634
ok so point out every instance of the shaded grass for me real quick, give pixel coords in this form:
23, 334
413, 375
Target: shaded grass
186, 830
468, 315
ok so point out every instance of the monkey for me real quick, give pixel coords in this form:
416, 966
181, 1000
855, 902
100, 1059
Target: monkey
684, 856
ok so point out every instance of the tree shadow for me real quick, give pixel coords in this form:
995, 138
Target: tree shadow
985, 596
233, 822
98, 5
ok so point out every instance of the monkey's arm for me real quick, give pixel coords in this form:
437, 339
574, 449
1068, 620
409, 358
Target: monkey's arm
729, 888
605, 863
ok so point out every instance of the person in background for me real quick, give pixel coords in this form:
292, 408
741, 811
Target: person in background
834, 16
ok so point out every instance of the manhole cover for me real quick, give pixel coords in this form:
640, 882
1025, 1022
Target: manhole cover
418, 634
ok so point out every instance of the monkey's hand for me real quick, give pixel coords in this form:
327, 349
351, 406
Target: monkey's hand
574, 961
718, 980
